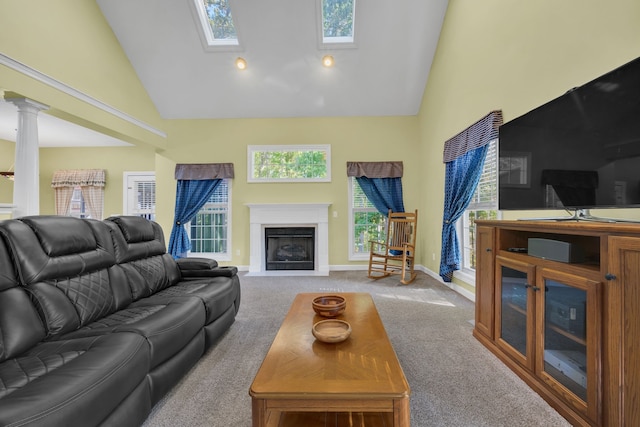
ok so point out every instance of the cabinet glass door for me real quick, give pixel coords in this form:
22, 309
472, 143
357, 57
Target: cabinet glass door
565, 336
514, 324
568, 316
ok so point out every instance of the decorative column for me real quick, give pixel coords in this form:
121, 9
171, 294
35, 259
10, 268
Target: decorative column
26, 185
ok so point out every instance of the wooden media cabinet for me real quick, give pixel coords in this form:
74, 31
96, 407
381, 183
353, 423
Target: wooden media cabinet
569, 328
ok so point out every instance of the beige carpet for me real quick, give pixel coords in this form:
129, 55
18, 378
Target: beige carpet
454, 380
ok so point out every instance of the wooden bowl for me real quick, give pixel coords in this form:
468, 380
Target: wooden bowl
329, 305
331, 330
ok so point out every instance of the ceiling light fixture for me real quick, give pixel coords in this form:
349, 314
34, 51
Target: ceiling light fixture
327, 61
241, 64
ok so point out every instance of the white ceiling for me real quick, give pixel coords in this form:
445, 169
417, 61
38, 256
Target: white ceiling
384, 74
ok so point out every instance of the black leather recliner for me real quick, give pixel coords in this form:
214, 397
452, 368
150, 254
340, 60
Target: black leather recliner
97, 322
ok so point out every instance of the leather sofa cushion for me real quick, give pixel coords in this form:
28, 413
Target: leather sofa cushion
61, 235
20, 325
76, 247
168, 324
135, 229
72, 383
71, 290
135, 238
149, 275
216, 293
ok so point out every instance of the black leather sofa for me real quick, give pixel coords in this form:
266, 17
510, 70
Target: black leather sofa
98, 322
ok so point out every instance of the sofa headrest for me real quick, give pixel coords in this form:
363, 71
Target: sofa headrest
54, 247
135, 238
135, 229
61, 235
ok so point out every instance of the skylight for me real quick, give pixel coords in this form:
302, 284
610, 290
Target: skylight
338, 17
217, 22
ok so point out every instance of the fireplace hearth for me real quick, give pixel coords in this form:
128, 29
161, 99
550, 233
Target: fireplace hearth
289, 248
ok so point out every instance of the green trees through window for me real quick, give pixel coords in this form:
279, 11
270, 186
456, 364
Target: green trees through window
337, 18
220, 19
368, 223
289, 163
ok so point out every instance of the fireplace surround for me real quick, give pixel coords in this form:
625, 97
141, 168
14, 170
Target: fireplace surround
283, 215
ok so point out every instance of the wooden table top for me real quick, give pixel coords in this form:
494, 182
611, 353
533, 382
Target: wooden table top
364, 366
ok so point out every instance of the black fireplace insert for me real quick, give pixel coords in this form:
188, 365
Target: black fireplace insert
289, 248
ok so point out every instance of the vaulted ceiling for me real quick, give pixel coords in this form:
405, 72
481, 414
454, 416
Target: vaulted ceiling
383, 73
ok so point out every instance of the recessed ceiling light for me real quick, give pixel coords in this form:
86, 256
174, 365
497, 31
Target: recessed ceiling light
241, 64
327, 61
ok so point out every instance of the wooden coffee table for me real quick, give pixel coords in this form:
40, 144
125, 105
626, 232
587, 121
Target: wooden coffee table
304, 382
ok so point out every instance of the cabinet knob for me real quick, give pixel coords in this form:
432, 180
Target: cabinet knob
610, 276
488, 249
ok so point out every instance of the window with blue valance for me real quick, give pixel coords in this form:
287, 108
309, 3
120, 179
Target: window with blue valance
464, 156
195, 185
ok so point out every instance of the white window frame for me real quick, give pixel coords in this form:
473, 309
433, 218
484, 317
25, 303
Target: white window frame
251, 149
466, 272
128, 197
353, 255
205, 32
218, 256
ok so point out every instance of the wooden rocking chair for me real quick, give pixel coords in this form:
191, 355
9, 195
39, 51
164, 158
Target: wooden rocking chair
396, 255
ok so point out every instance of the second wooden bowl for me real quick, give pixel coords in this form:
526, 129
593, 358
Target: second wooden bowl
331, 330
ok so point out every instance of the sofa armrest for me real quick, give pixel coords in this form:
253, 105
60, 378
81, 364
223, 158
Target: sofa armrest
204, 267
188, 264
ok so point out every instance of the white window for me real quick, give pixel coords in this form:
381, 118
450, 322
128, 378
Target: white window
210, 230
366, 223
289, 163
216, 22
139, 194
484, 205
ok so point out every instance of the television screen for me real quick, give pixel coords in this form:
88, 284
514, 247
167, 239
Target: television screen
578, 151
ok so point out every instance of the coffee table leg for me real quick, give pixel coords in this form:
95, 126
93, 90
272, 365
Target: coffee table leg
258, 413
401, 413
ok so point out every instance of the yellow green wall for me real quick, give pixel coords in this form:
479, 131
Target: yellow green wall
116, 161
513, 56
71, 42
351, 139
492, 54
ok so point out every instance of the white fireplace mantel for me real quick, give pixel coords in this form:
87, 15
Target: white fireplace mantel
264, 215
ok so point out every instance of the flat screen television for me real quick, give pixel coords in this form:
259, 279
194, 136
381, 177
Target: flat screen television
577, 152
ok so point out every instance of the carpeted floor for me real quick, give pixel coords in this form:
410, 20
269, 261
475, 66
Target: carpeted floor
454, 380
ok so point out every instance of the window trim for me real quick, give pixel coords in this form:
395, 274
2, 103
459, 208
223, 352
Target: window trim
251, 149
125, 188
205, 32
218, 256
